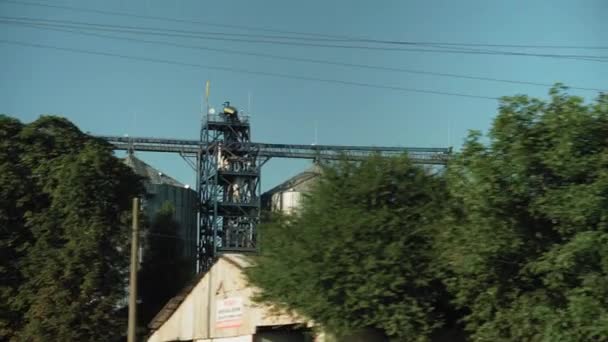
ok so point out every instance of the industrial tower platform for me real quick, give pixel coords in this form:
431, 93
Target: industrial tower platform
229, 185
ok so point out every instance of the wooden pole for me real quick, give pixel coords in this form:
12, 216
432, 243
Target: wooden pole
133, 273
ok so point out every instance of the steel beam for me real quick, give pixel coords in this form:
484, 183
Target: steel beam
421, 155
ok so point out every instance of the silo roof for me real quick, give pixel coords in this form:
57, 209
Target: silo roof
153, 175
297, 181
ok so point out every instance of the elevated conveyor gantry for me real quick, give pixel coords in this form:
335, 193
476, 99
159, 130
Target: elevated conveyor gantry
228, 166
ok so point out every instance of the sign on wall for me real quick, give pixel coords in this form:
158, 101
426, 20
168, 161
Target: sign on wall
229, 312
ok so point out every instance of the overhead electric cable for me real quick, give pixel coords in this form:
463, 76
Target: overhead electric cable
189, 33
245, 71
273, 30
167, 19
309, 60
152, 31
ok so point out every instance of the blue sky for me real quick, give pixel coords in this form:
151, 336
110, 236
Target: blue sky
107, 95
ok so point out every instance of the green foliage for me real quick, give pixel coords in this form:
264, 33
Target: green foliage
64, 218
522, 242
164, 271
359, 253
13, 235
526, 237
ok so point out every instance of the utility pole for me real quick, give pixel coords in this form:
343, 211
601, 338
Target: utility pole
133, 273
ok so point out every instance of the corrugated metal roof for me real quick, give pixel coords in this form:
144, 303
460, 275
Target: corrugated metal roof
153, 175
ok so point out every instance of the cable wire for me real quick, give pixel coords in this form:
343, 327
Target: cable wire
210, 36
190, 33
206, 34
245, 71
310, 34
167, 19
310, 60
265, 36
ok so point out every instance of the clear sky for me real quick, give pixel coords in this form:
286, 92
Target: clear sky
109, 95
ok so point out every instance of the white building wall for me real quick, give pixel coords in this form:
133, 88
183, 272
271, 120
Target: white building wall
190, 321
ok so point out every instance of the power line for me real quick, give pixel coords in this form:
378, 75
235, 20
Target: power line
210, 36
190, 33
265, 36
155, 32
309, 60
245, 71
522, 46
206, 34
310, 34
167, 19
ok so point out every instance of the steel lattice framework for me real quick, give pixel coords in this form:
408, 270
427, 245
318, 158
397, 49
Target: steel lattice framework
191, 148
228, 166
229, 186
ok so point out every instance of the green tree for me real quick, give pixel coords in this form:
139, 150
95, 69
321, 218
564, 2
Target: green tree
164, 271
526, 236
67, 225
359, 254
13, 235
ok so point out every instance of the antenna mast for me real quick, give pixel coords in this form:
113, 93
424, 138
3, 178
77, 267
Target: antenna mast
207, 89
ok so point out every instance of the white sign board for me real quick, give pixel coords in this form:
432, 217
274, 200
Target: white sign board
229, 312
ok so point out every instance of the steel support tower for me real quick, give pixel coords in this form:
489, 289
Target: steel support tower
228, 186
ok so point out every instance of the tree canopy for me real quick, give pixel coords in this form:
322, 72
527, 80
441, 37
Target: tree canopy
515, 228
359, 252
64, 206
526, 237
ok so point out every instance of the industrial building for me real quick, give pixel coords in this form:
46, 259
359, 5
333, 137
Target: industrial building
287, 196
217, 307
160, 189
228, 167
